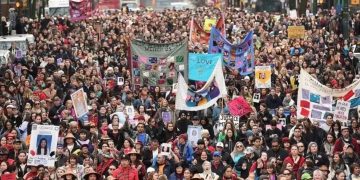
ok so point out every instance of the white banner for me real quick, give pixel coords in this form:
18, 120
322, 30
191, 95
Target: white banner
316, 101
190, 100
43, 143
219, 126
58, 3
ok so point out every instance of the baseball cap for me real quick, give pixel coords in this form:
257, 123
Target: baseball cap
220, 144
217, 154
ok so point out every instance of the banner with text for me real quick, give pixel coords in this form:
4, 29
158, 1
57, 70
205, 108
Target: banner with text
262, 77
342, 111
43, 143
223, 118
189, 99
239, 57
316, 101
157, 64
296, 32
201, 66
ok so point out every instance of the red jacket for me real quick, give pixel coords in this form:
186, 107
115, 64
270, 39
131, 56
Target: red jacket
296, 166
128, 173
339, 145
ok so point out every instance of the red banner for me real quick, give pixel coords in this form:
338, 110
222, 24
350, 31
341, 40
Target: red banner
11, 176
239, 107
198, 37
80, 9
108, 4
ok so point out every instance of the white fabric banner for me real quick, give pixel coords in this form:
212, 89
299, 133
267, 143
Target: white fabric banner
190, 100
316, 100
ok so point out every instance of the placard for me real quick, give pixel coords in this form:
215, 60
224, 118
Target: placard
262, 77
78, 99
256, 97
296, 32
166, 117
341, 112
43, 143
194, 134
120, 81
130, 111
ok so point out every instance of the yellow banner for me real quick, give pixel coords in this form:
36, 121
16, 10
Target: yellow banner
296, 32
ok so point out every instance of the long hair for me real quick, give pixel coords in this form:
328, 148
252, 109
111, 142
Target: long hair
39, 147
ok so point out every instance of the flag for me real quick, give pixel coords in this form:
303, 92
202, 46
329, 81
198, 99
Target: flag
199, 37
238, 57
239, 107
201, 66
191, 100
79, 9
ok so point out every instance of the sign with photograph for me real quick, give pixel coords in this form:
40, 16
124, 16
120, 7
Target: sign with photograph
79, 102
43, 143
194, 134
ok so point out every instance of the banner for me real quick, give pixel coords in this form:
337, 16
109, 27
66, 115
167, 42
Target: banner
191, 100
296, 32
239, 57
239, 107
78, 99
202, 65
208, 24
157, 64
43, 143
108, 4
194, 134
262, 77
316, 101
199, 37
342, 111
79, 9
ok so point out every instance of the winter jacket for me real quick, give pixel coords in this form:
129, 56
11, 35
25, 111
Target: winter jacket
127, 173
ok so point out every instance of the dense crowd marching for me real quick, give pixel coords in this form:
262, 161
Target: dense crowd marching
36, 89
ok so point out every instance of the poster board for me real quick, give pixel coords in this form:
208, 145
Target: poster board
296, 32
262, 77
194, 134
78, 99
43, 143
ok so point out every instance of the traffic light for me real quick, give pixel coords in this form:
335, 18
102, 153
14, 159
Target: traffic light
19, 4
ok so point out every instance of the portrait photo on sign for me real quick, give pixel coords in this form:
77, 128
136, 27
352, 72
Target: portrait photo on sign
43, 144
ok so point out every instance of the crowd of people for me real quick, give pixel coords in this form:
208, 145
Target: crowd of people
92, 53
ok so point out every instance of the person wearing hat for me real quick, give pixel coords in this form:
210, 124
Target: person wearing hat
70, 145
125, 170
69, 175
107, 160
92, 175
217, 165
225, 155
244, 164
345, 139
135, 161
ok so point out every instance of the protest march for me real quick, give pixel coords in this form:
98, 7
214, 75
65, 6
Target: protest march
207, 93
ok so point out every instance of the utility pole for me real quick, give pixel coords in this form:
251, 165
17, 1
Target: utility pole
345, 19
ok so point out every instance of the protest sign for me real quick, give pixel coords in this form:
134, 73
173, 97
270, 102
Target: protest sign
296, 32
239, 107
78, 99
208, 24
130, 111
316, 101
341, 112
219, 126
190, 100
157, 64
120, 81
43, 143
108, 4
165, 148
79, 9
122, 118
194, 134
166, 117
262, 77
201, 66
238, 57
256, 97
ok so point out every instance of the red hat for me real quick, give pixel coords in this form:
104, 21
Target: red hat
184, 136
285, 140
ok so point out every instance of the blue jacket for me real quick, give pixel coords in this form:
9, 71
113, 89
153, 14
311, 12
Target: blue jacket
187, 154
